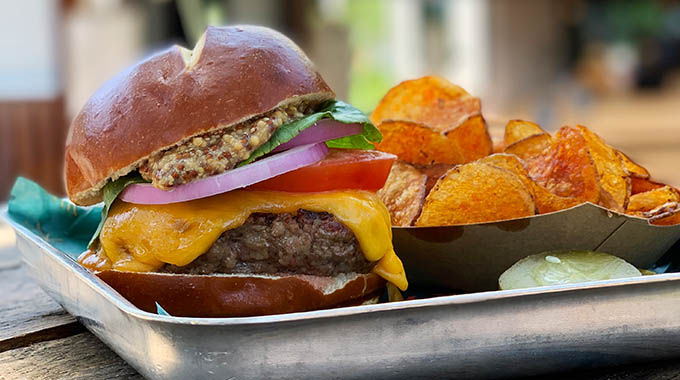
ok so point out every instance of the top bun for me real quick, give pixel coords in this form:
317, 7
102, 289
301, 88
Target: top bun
232, 75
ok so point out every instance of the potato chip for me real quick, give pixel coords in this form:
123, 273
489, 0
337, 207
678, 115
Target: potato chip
417, 144
531, 147
669, 215
476, 193
633, 169
517, 130
512, 163
549, 202
433, 173
566, 168
614, 179
641, 185
472, 139
545, 200
431, 110
403, 193
652, 199
660, 210
498, 146
429, 100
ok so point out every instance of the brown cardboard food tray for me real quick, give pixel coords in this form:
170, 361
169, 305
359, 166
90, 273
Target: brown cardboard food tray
472, 257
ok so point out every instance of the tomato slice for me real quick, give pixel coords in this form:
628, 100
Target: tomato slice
342, 169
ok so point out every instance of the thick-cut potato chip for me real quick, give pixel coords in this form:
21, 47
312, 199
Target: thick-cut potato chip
498, 147
530, 148
416, 143
476, 193
512, 163
549, 202
652, 199
403, 193
471, 139
659, 211
662, 210
669, 215
517, 130
505, 161
419, 144
433, 173
634, 169
545, 200
437, 119
429, 100
566, 167
614, 179
670, 219
641, 185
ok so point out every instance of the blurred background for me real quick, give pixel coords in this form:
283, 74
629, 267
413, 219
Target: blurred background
611, 65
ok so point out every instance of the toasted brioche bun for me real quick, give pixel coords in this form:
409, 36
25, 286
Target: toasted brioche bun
232, 75
241, 295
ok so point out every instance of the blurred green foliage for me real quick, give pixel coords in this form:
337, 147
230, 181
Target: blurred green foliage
623, 20
369, 33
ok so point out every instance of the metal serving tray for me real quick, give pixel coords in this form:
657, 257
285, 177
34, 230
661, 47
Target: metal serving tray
481, 335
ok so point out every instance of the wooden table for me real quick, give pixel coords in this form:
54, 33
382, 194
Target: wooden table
39, 340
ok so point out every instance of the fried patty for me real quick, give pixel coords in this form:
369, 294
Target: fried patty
302, 243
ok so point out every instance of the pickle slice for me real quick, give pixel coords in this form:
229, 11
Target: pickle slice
565, 267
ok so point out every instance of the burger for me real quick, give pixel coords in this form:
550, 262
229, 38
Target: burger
233, 183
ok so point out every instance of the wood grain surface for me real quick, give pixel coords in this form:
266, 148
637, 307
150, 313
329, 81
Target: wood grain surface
28, 314
81, 356
38, 339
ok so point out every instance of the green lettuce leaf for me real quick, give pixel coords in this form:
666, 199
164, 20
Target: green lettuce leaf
58, 221
161, 311
333, 109
109, 194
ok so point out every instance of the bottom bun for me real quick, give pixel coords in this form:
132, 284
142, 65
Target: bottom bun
223, 295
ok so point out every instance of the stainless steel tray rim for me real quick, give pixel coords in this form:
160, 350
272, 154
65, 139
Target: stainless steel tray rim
124, 305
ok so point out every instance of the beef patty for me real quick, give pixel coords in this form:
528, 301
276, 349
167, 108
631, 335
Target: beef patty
302, 243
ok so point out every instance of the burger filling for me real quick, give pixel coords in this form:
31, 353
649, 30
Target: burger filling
247, 231
216, 152
306, 242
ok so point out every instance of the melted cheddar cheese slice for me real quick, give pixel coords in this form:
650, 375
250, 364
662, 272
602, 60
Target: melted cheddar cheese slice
143, 238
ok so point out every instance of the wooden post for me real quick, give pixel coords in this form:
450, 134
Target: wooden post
32, 118
32, 137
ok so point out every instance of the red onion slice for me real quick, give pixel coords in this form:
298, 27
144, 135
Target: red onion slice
322, 130
247, 175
